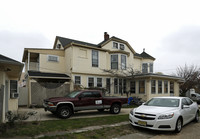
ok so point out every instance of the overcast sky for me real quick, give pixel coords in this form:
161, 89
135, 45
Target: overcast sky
169, 30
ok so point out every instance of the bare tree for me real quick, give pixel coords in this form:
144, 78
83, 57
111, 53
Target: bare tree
191, 76
128, 73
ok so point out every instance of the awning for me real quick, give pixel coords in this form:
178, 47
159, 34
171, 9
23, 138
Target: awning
47, 75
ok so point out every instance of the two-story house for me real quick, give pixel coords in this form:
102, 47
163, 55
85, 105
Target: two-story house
112, 64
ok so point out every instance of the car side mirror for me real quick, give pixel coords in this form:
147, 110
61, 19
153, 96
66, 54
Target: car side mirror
79, 97
185, 106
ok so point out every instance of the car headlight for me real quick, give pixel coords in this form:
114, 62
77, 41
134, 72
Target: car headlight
166, 116
131, 112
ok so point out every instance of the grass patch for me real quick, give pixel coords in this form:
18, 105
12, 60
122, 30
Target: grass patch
105, 133
35, 128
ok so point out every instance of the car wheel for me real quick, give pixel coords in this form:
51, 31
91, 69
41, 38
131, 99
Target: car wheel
178, 125
115, 108
64, 112
100, 110
196, 119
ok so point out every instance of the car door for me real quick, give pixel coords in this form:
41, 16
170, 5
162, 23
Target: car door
185, 111
192, 108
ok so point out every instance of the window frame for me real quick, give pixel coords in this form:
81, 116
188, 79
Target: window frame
142, 87
49, 60
101, 83
94, 64
171, 87
144, 69
75, 80
153, 86
117, 45
160, 88
114, 62
132, 87
123, 67
89, 82
166, 84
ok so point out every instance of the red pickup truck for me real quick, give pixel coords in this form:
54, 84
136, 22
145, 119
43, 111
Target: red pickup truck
75, 101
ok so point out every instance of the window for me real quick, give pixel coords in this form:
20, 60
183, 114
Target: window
124, 85
114, 61
13, 87
123, 62
108, 85
115, 85
53, 58
132, 87
144, 68
120, 86
142, 87
189, 101
99, 82
90, 82
166, 87
159, 87
121, 47
153, 86
77, 80
95, 58
171, 87
151, 67
115, 45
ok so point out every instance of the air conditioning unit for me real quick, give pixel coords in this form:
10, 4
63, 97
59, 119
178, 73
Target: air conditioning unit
121, 46
14, 95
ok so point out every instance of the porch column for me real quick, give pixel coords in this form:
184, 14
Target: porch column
28, 61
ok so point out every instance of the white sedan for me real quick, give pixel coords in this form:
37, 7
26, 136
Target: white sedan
165, 113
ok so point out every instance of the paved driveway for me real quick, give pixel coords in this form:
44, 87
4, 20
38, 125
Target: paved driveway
42, 115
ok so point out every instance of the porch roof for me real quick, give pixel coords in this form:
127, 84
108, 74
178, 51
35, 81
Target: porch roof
38, 74
162, 76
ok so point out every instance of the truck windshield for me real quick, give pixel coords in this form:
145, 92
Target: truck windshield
73, 94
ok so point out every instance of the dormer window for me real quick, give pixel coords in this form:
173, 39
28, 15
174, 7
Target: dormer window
115, 45
121, 47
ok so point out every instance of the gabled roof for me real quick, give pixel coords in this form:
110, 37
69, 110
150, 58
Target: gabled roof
4, 59
113, 38
66, 41
146, 56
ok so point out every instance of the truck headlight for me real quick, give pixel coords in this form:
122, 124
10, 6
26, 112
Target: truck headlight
166, 116
50, 104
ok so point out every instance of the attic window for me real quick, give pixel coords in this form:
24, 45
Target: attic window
122, 47
53, 58
115, 45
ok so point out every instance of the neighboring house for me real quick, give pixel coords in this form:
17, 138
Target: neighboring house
86, 63
10, 72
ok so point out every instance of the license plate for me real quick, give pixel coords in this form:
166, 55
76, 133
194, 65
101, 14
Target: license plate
143, 123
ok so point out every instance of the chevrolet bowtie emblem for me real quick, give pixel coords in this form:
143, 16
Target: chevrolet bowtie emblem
143, 116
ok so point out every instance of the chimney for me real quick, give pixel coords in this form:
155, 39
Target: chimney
106, 36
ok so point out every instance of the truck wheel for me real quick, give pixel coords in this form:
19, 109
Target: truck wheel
115, 109
64, 112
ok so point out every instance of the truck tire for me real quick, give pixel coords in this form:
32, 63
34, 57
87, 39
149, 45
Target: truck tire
115, 109
64, 112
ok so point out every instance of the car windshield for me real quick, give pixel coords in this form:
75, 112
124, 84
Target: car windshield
73, 94
163, 102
